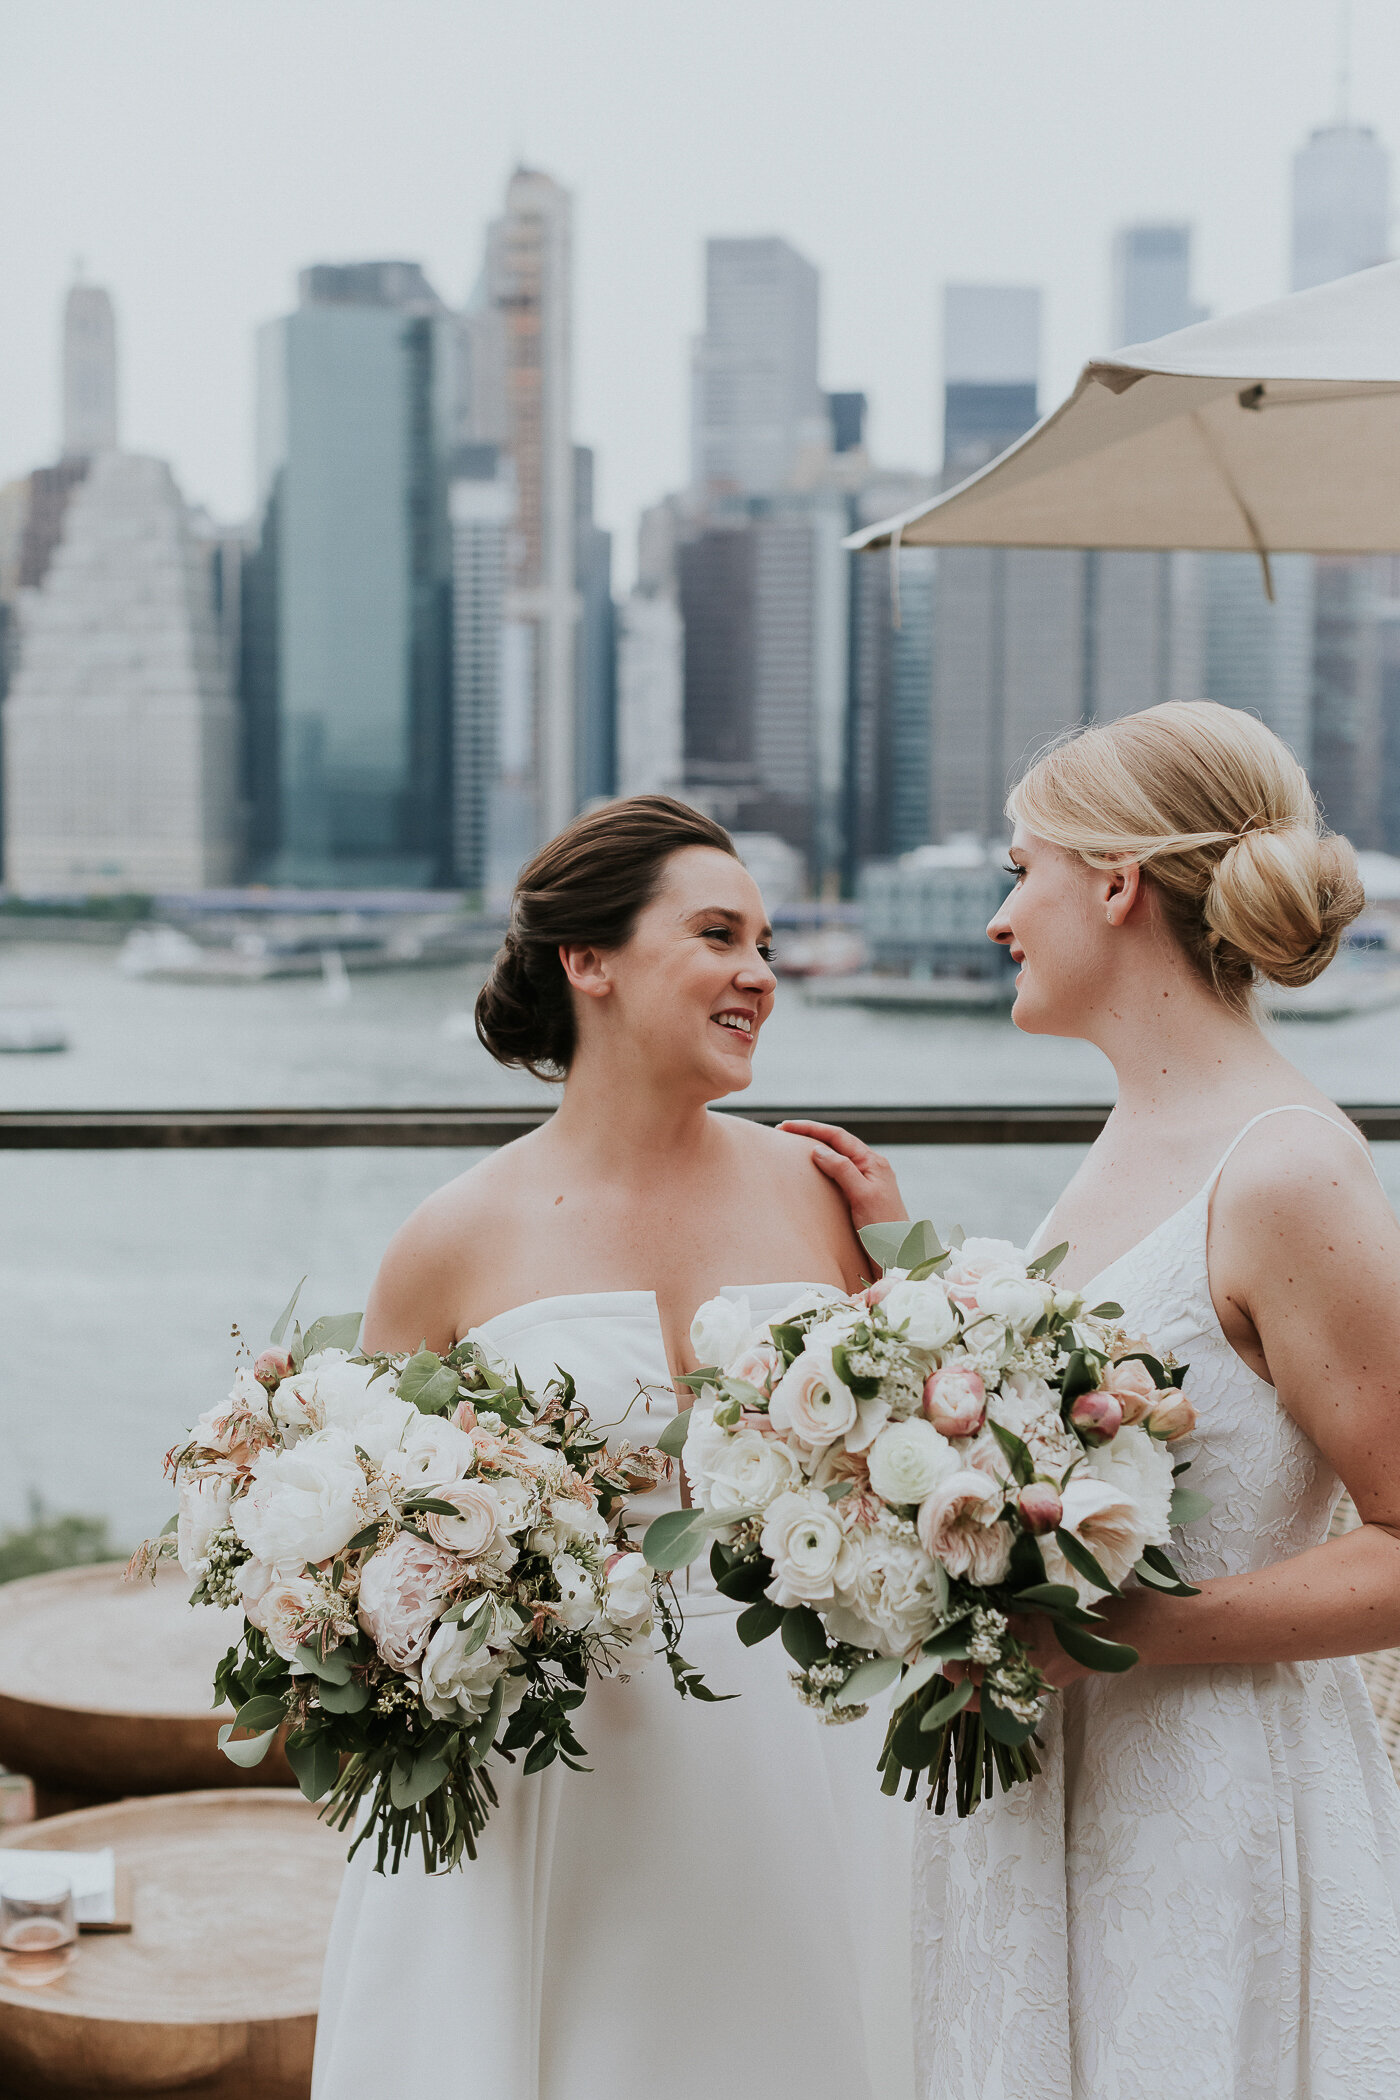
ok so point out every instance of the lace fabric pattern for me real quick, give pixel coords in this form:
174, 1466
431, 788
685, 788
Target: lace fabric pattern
1200, 1894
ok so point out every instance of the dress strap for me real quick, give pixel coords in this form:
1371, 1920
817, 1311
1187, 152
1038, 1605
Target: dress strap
1289, 1108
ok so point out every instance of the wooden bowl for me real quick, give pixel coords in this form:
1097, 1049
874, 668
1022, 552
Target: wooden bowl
217, 1983
106, 1686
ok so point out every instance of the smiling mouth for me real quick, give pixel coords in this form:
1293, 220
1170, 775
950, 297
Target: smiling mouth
741, 1025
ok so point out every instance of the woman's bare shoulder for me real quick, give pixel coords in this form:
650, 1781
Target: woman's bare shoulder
424, 1285
783, 1161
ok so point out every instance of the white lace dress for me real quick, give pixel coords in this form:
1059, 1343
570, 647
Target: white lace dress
1200, 1894
719, 1908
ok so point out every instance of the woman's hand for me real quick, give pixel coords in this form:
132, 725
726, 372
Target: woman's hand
865, 1178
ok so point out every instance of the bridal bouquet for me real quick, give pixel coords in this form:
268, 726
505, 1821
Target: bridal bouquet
429, 1560
887, 1479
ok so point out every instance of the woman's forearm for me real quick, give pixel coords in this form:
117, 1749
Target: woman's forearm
1340, 1598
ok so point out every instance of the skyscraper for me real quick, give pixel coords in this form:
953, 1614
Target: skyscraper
991, 367
517, 353
1341, 204
481, 503
120, 727
1152, 282
755, 400
347, 599
1341, 223
595, 675
89, 372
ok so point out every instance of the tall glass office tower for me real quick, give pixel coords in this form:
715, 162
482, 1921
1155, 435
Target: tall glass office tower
348, 613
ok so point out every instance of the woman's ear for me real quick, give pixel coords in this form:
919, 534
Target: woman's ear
1125, 889
586, 971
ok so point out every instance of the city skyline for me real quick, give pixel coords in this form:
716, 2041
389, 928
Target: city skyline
920, 191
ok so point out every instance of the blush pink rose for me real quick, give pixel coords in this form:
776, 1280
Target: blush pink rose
760, 1366
960, 1525
955, 1401
401, 1594
1170, 1416
473, 1527
1132, 1386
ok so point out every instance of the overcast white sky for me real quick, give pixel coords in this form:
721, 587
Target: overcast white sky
196, 153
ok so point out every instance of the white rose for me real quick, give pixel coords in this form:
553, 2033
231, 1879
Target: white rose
810, 1402
908, 1460
379, 1430
1009, 1294
430, 1451
517, 1499
304, 1503
976, 1256
575, 1520
721, 1330
283, 1608
204, 1506
923, 1311
578, 1608
457, 1686
731, 1474
888, 1595
627, 1596
475, 1526
802, 1536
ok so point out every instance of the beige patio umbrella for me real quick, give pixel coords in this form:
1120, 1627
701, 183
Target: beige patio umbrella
1273, 430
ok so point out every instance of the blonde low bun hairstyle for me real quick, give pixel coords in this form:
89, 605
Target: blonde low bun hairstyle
1219, 814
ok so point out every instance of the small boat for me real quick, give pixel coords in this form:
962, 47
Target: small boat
26, 1028
912, 994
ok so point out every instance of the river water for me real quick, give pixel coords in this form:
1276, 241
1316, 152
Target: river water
121, 1273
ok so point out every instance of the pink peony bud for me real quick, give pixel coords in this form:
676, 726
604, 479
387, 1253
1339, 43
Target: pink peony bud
465, 1417
1097, 1416
876, 1291
272, 1367
1132, 1386
955, 1401
612, 1560
1171, 1416
1040, 1506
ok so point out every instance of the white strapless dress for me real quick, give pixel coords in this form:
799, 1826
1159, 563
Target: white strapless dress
1200, 1893
719, 1908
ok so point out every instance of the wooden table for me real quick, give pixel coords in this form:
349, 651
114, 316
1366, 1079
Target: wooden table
106, 1686
215, 1988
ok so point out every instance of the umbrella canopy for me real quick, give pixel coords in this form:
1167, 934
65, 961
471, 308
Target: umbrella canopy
1276, 429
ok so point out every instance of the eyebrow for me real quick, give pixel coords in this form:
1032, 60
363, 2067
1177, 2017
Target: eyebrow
723, 911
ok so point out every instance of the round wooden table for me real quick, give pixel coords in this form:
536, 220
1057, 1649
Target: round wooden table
216, 1985
106, 1686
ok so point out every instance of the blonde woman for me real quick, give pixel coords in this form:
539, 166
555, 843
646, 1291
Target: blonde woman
1201, 1893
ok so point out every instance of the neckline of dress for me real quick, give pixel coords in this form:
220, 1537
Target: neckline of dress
613, 1298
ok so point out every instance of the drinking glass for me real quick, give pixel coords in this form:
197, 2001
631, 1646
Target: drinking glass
38, 1932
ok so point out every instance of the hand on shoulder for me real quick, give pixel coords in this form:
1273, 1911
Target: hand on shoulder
863, 1177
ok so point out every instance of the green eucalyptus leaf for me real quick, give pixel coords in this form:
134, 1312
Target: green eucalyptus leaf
1054, 1596
263, 1711
920, 1247
915, 1678
1095, 1654
952, 1702
1188, 1506
1003, 1727
350, 1698
1017, 1454
485, 1732
675, 1540
1046, 1264
281, 1327
1080, 1558
170, 1526
331, 1668
868, 1679
950, 1641
883, 1242
251, 1751
759, 1621
315, 1763
673, 1436
1107, 1311
333, 1331
804, 1636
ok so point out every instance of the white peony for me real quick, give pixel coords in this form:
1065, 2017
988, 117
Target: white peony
908, 1460
810, 1402
429, 1452
241, 1424
328, 1392
402, 1589
518, 1500
627, 1594
888, 1594
732, 1475
204, 1507
923, 1311
456, 1685
803, 1538
304, 1503
282, 1607
960, 1525
564, 1522
721, 1330
1137, 1465
976, 1256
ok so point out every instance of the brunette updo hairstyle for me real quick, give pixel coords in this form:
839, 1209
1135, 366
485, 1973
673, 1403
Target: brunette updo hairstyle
1219, 814
584, 889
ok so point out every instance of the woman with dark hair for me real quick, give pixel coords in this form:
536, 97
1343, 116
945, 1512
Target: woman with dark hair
718, 1905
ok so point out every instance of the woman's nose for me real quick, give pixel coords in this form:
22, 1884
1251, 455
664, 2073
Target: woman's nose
999, 929
757, 975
